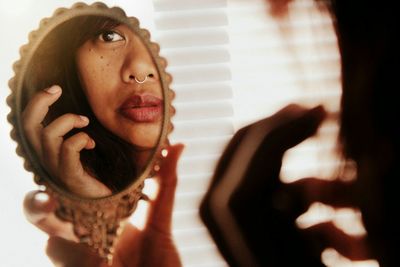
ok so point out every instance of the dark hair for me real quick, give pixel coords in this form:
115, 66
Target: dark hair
370, 131
111, 161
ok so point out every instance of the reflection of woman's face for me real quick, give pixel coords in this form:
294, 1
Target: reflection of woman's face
108, 66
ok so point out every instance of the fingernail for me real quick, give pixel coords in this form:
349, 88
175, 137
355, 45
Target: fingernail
41, 197
164, 153
319, 108
318, 111
92, 143
53, 89
84, 118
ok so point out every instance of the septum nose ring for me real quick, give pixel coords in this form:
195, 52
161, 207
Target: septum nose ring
144, 80
139, 81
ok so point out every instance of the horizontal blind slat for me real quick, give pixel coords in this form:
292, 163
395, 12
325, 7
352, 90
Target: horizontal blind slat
191, 237
252, 17
191, 19
195, 55
208, 145
256, 55
282, 79
328, 79
191, 185
202, 92
189, 200
192, 37
173, 5
186, 219
263, 4
201, 129
200, 73
198, 164
202, 256
203, 110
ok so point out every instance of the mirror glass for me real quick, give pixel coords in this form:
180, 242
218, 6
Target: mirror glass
92, 105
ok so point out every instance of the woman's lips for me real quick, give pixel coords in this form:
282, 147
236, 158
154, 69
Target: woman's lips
142, 108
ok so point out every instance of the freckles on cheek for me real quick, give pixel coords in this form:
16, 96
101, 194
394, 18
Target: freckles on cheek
96, 65
100, 66
105, 62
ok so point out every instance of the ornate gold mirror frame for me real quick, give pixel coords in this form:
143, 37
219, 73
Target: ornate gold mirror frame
97, 221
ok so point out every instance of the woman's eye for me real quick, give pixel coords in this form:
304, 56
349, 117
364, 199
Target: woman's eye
110, 36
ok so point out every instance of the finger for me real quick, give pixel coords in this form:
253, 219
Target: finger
168, 174
222, 165
53, 136
295, 198
38, 205
39, 209
70, 152
328, 235
288, 129
72, 172
160, 213
297, 125
128, 245
290, 111
35, 112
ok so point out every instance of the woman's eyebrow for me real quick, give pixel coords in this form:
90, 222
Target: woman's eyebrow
110, 25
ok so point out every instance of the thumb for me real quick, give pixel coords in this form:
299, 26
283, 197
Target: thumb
167, 174
160, 213
38, 205
39, 208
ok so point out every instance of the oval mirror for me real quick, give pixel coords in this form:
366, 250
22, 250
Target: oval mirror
91, 106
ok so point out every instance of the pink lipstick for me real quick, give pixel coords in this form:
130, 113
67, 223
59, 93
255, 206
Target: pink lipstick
142, 108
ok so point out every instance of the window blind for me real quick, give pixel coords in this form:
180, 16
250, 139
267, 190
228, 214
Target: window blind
194, 38
291, 58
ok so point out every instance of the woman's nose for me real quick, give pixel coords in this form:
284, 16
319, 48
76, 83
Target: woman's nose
139, 67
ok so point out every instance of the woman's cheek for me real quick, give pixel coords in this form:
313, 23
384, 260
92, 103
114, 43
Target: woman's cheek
100, 71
